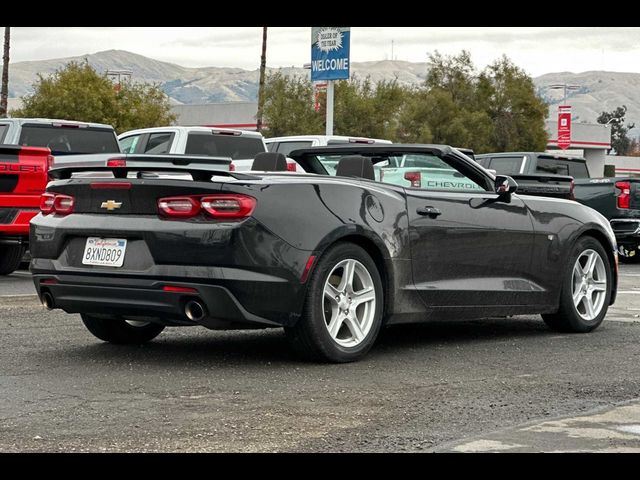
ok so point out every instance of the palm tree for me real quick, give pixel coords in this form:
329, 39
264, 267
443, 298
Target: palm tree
263, 66
4, 92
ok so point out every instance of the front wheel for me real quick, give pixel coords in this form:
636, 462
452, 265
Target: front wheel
343, 309
120, 331
586, 290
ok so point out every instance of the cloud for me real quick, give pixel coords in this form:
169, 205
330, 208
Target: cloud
536, 49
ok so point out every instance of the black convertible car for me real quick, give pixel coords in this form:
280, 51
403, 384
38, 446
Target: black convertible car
371, 235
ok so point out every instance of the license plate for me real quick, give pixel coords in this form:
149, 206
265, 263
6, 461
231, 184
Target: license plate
105, 252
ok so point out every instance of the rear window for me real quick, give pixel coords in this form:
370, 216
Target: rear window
286, 148
506, 165
3, 130
238, 147
553, 166
61, 140
578, 170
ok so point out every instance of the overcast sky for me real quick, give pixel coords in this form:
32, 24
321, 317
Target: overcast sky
538, 50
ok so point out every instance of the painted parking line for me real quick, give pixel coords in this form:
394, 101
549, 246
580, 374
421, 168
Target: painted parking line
22, 295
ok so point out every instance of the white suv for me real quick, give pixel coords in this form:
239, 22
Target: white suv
240, 145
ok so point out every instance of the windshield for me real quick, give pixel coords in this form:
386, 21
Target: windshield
69, 140
238, 147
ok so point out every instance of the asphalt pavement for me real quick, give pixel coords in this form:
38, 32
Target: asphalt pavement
458, 386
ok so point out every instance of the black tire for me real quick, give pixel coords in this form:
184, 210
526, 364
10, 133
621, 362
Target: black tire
310, 336
117, 330
568, 319
10, 258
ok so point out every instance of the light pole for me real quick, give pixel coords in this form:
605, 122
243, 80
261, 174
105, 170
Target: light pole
564, 87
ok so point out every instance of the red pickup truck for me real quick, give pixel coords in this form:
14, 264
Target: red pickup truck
27, 147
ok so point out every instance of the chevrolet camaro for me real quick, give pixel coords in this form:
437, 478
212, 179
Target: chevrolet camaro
331, 255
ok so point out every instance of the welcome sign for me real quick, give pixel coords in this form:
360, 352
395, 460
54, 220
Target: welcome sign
330, 53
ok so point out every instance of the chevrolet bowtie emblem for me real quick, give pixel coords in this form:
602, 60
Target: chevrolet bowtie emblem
111, 205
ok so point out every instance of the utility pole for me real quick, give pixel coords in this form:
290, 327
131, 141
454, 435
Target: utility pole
4, 91
263, 67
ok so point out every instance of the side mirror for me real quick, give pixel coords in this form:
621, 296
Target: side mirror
505, 186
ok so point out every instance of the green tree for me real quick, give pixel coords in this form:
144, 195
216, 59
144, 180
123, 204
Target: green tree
446, 110
288, 107
367, 110
507, 94
78, 92
620, 141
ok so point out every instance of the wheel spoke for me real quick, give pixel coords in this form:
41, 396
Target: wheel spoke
591, 262
588, 305
577, 297
599, 286
354, 328
331, 292
334, 325
364, 296
348, 270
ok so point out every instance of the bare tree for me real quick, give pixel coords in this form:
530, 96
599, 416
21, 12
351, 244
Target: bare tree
4, 92
263, 66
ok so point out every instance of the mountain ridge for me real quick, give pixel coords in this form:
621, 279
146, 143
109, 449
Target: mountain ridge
599, 90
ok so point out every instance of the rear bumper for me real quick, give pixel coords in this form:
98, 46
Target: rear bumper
14, 225
627, 230
145, 298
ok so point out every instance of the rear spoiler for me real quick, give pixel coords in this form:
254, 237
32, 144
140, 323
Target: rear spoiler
201, 168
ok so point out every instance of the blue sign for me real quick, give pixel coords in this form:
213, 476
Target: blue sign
330, 53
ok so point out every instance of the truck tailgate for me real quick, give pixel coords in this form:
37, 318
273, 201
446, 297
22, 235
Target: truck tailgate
23, 178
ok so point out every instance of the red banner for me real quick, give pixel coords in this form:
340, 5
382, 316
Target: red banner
564, 126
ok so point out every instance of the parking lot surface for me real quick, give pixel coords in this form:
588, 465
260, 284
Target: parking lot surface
464, 386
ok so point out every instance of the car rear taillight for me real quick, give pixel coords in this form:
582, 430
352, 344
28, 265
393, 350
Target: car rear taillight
50, 160
116, 162
623, 199
291, 167
414, 178
232, 167
46, 203
179, 207
56, 203
63, 204
572, 190
228, 206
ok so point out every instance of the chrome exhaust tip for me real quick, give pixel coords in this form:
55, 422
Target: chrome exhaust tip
194, 310
47, 301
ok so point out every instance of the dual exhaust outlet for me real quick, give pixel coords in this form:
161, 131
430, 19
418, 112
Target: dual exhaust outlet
194, 310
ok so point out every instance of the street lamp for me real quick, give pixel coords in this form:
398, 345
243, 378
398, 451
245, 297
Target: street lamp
565, 87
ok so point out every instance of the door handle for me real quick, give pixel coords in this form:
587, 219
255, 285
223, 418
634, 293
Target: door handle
432, 212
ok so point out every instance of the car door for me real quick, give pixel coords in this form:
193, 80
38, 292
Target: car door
469, 247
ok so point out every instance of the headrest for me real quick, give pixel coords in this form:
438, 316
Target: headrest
269, 162
355, 166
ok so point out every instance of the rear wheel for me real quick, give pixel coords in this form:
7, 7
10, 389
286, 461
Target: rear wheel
586, 290
10, 258
116, 330
343, 309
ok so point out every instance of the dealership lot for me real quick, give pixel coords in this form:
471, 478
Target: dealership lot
489, 385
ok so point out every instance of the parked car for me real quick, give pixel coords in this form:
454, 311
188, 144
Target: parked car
617, 198
241, 146
329, 258
25, 148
